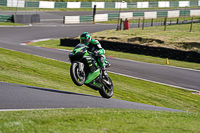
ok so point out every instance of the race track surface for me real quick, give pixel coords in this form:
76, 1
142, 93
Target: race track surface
15, 96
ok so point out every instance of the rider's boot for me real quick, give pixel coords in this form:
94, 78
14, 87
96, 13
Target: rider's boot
104, 73
107, 64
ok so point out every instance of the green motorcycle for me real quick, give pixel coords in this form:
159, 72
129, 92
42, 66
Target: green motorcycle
85, 70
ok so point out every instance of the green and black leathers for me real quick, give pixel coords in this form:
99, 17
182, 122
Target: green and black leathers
95, 47
85, 70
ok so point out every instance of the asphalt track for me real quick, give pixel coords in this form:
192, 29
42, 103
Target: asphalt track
11, 37
14, 96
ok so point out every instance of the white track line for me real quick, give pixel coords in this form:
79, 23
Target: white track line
159, 65
154, 81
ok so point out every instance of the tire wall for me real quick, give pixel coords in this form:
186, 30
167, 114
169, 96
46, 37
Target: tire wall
190, 56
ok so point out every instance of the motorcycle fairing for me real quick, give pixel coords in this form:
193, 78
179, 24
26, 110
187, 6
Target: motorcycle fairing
92, 76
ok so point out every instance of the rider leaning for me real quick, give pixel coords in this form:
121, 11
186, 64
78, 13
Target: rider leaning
95, 47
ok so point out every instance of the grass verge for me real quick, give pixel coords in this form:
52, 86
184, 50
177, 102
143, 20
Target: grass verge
143, 58
175, 36
98, 121
21, 68
10, 24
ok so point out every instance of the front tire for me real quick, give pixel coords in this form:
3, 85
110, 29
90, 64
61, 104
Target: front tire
107, 89
78, 77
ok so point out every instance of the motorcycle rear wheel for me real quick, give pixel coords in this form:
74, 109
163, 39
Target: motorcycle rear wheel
107, 90
78, 77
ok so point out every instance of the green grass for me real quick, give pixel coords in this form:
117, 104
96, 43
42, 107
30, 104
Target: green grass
10, 24
98, 121
173, 34
136, 57
21, 68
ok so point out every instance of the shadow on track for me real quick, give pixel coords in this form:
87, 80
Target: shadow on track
59, 91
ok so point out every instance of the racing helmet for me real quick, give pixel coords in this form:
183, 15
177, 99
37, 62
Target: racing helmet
85, 38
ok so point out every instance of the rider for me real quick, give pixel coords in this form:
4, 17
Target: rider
95, 47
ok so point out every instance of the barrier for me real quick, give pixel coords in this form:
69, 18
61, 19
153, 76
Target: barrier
190, 56
15, 3
120, 4
86, 4
103, 4
101, 17
98, 4
46, 4
184, 3
34, 18
126, 15
193, 3
73, 4
6, 18
163, 4
184, 13
142, 4
195, 12
162, 14
174, 4
149, 15
86, 18
138, 14
132, 5
60, 5
109, 4
173, 14
71, 19
113, 16
132, 15
3, 2
153, 4
32, 4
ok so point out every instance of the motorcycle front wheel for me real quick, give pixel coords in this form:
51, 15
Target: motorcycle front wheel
78, 76
107, 89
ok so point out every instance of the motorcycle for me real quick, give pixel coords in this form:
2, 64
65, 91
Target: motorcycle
85, 70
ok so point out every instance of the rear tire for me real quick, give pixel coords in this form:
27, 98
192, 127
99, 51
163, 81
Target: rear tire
77, 76
107, 90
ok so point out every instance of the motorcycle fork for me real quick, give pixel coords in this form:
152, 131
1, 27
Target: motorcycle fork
80, 66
